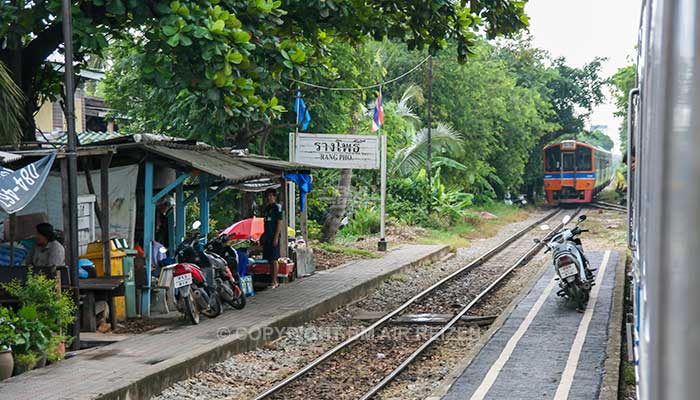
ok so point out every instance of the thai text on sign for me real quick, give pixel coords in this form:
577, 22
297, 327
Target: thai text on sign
337, 151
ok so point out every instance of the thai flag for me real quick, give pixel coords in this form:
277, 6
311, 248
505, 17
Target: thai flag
378, 119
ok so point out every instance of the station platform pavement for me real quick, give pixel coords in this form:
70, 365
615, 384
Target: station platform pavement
145, 364
546, 350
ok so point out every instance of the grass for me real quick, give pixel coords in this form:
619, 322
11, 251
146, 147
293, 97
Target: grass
474, 227
628, 375
609, 195
349, 251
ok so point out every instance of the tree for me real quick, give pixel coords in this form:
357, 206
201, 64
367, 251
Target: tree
226, 59
621, 83
11, 104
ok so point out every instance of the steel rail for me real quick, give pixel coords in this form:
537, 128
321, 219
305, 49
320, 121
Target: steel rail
478, 261
608, 206
523, 259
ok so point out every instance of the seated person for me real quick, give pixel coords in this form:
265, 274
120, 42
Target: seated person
47, 251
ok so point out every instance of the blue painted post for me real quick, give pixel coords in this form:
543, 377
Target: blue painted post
149, 223
179, 215
204, 204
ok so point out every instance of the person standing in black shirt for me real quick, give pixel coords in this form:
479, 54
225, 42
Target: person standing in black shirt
270, 239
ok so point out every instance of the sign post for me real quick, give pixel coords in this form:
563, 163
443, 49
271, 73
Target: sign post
344, 151
291, 187
381, 246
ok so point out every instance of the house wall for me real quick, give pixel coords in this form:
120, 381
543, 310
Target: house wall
50, 117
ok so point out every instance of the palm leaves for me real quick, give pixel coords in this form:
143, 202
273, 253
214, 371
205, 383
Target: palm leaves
11, 107
413, 157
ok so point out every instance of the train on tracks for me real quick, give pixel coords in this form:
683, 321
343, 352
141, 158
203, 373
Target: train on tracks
664, 201
575, 171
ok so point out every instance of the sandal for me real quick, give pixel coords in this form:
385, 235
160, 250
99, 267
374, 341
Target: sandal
275, 286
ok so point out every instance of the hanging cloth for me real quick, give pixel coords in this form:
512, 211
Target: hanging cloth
304, 183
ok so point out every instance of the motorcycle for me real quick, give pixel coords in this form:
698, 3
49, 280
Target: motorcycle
519, 201
570, 263
194, 295
224, 260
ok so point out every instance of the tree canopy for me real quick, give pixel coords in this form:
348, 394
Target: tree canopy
622, 82
227, 59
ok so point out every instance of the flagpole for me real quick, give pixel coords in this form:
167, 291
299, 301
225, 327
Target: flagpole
429, 163
291, 186
381, 246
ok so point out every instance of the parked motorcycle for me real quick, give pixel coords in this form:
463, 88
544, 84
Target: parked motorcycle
193, 276
570, 263
224, 260
519, 201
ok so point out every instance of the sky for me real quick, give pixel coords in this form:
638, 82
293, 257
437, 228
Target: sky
583, 29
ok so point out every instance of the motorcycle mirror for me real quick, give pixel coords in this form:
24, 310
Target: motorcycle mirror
582, 217
196, 224
566, 219
544, 227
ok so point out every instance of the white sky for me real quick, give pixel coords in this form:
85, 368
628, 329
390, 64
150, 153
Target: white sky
582, 29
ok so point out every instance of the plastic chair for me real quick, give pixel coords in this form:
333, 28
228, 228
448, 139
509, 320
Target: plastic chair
164, 296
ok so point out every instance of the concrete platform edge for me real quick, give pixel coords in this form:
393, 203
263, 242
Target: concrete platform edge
611, 375
459, 369
189, 364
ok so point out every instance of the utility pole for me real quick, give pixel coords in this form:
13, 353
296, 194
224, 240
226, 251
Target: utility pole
430, 132
72, 224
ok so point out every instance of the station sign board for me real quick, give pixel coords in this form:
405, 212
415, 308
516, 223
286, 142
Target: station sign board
337, 151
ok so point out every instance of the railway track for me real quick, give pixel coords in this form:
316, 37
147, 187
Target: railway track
375, 356
608, 206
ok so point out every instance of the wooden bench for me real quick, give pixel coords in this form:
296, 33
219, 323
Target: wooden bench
94, 289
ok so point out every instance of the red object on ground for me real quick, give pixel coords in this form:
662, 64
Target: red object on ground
265, 269
251, 228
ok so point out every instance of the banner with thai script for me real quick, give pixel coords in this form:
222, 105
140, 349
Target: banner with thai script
337, 151
18, 188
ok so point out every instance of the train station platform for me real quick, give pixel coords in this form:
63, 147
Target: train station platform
145, 364
546, 350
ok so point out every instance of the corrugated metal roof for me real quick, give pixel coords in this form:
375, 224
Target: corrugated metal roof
88, 137
214, 162
270, 163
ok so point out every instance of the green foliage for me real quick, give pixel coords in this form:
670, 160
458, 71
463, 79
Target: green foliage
11, 104
33, 335
53, 352
8, 333
54, 310
364, 220
596, 138
621, 83
28, 360
216, 71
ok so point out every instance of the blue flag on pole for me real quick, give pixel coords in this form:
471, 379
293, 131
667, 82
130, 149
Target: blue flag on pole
303, 116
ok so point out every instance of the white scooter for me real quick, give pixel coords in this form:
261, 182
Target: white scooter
570, 263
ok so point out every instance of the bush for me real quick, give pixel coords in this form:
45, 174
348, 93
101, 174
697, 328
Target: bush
8, 334
33, 336
55, 310
365, 220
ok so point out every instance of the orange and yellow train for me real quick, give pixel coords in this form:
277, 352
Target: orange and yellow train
575, 171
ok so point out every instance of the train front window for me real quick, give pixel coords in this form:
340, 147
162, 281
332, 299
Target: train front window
553, 159
584, 161
568, 160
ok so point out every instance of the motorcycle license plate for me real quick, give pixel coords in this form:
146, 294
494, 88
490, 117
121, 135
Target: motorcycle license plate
568, 270
182, 280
